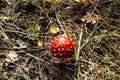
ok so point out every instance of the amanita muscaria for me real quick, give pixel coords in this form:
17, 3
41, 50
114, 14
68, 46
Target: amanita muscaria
62, 47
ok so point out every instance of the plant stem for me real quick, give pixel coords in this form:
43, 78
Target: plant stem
78, 53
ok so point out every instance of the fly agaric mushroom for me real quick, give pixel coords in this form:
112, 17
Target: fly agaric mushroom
62, 47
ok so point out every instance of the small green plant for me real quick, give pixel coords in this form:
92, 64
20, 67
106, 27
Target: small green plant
33, 32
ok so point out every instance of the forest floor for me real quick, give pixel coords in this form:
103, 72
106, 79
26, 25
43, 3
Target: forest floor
28, 26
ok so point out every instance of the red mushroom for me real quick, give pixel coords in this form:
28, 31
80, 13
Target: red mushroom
62, 47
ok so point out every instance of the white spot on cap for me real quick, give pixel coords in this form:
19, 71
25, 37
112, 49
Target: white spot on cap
58, 49
51, 42
61, 40
63, 49
70, 39
54, 50
53, 45
60, 54
59, 43
56, 39
55, 54
71, 46
73, 43
51, 49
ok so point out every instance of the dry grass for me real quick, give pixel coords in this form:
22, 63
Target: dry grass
97, 39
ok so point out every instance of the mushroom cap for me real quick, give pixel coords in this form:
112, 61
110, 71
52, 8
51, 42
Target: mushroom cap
62, 47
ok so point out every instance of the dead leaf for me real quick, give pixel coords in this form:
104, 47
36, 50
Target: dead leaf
54, 29
11, 57
80, 1
5, 18
90, 18
40, 43
21, 44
